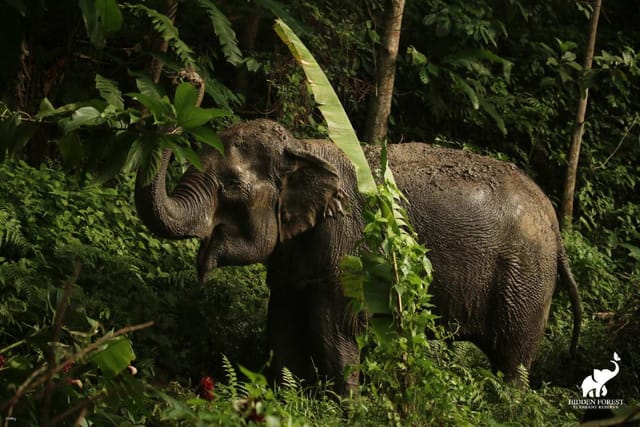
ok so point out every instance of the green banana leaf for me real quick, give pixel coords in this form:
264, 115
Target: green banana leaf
340, 129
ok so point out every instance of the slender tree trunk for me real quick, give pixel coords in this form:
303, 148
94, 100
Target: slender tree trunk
248, 42
380, 104
566, 211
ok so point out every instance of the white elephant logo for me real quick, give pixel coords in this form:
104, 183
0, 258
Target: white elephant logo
594, 384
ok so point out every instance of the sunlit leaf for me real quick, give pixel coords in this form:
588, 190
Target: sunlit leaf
339, 125
85, 116
115, 358
182, 151
186, 97
159, 108
467, 89
192, 117
207, 136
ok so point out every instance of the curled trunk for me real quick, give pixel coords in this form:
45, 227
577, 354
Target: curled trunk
187, 212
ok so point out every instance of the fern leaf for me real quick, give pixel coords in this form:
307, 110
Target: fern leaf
224, 31
289, 382
169, 32
232, 377
523, 376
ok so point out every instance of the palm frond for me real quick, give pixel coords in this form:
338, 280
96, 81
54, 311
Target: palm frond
224, 31
169, 32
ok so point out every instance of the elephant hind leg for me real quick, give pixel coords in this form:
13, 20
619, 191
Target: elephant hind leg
523, 302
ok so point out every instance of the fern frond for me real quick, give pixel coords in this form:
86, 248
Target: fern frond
289, 382
180, 279
12, 240
232, 376
169, 32
224, 31
523, 376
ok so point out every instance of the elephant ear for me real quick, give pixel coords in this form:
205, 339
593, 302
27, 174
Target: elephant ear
310, 191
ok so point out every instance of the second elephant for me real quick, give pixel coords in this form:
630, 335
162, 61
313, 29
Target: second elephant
293, 205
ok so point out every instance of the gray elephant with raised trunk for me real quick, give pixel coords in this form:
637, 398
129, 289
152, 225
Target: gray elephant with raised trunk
294, 206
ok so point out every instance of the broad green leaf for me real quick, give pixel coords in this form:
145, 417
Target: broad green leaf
416, 56
70, 147
101, 17
467, 89
115, 358
146, 155
182, 151
177, 410
195, 116
279, 9
117, 157
254, 377
490, 109
109, 92
85, 116
147, 87
186, 97
15, 133
47, 109
634, 251
223, 29
382, 326
159, 108
207, 136
339, 125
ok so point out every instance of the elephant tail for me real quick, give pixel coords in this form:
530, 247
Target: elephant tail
574, 297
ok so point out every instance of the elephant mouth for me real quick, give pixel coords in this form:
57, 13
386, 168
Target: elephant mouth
213, 248
207, 258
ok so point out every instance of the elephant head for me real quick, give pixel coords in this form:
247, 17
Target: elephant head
266, 188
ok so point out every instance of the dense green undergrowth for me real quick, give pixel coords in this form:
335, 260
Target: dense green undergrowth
51, 222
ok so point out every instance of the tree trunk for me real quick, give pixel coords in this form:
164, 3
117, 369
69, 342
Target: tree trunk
566, 211
248, 43
380, 104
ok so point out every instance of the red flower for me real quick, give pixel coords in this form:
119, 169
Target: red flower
67, 367
205, 390
2, 360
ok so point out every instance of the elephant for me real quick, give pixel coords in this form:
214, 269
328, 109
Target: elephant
293, 205
594, 384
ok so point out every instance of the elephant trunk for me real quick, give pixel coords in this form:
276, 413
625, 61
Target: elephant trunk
187, 212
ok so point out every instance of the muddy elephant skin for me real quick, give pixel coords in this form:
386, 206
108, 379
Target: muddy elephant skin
293, 205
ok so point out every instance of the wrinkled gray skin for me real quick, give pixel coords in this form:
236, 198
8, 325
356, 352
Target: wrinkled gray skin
293, 205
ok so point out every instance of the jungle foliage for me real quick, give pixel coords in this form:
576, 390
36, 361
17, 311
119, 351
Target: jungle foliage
80, 112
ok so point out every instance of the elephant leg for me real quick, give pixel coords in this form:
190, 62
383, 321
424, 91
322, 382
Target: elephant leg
312, 334
287, 334
332, 332
523, 309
